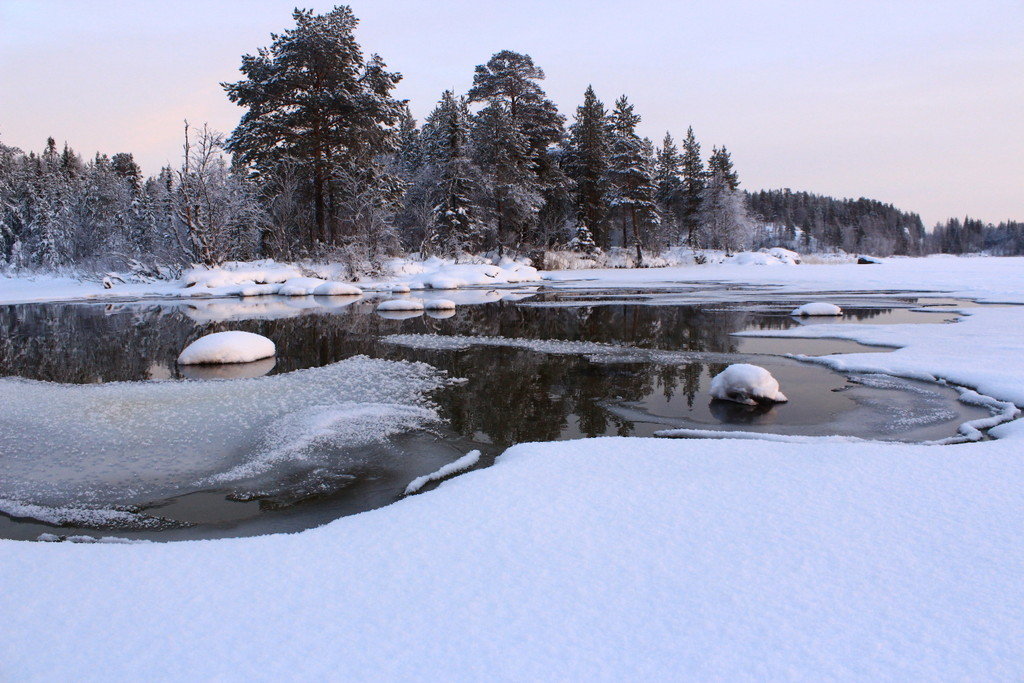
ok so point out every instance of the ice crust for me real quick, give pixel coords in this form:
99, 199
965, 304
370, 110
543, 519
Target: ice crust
127, 442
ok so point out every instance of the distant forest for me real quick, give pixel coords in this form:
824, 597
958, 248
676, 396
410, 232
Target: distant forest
326, 163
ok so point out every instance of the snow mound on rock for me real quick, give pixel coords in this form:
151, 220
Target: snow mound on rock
400, 305
301, 286
265, 271
227, 347
745, 383
439, 305
817, 308
337, 289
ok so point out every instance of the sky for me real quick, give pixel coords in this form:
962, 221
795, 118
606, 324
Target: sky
918, 104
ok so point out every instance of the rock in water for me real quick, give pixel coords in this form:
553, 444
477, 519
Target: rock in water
817, 308
227, 347
749, 384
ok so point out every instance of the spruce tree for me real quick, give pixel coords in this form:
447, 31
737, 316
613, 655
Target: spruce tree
670, 193
693, 187
586, 163
630, 176
456, 225
721, 163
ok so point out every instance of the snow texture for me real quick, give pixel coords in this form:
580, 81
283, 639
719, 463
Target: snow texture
745, 383
401, 305
227, 347
461, 465
439, 305
817, 308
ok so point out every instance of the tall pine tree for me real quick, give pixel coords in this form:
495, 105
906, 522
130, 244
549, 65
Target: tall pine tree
693, 187
631, 179
586, 162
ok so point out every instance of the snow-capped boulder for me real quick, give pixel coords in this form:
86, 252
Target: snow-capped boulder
786, 256
745, 383
439, 305
300, 286
227, 347
400, 305
817, 308
337, 289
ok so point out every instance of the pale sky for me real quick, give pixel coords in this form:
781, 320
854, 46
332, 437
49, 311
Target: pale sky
920, 104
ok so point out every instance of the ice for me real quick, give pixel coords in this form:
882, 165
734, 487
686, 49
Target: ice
410, 304
233, 346
74, 446
460, 465
745, 383
817, 308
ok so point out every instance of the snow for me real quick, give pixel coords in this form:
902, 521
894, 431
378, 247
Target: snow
460, 465
608, 559
337, 289
439, 305
817, 308
227, 347
300, 286
401, 305
745, 383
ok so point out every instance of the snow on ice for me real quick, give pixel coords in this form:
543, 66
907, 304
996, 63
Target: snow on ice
460, 465
410, 304
745, 383
817, 308
233, 346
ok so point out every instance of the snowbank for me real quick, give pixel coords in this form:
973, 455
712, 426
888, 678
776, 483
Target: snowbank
227, 347
817, 308
745, 383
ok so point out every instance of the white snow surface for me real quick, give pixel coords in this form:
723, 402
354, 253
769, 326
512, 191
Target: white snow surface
439, 305
746, 383
606, 559
817, 308
233, 346
410, 304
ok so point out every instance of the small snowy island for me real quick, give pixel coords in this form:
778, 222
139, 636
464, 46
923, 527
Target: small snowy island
227, 347
748, 384
817, 308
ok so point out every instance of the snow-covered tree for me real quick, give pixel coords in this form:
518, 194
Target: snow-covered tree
724, 223
630, 176
671, 191
311, 98
694, 178
586, 162
456, 223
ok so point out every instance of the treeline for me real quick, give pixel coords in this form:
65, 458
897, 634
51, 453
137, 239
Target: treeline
326, 163
970, 236
810, 222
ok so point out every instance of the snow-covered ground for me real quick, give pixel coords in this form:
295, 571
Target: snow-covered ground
609, 559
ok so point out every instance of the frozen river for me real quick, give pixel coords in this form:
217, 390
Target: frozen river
102, 433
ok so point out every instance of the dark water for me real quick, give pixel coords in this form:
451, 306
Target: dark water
513, 393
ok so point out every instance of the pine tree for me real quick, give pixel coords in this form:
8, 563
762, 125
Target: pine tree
514, 133
693, 187
720, 163
631, 179
587, 165
456, 225
670, 193
311, 98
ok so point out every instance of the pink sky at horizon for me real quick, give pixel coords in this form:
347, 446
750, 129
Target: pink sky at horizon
918, 104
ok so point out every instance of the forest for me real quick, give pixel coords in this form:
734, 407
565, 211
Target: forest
327, 163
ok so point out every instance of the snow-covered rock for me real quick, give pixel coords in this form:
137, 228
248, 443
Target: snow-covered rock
817, 308
786, 256
400, 305
265, 271
745, 383
301, 286
337, 289
227, 347
439, 305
